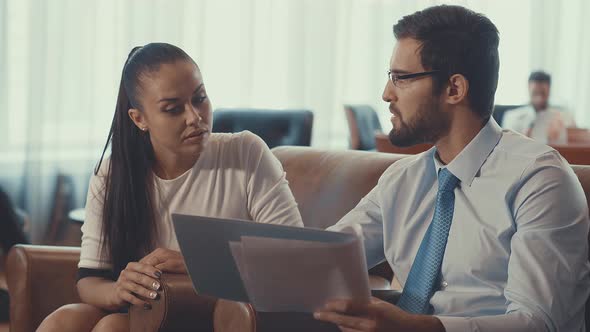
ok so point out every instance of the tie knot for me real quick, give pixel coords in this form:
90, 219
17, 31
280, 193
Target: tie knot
446, 180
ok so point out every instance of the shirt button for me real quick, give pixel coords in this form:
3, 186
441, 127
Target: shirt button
444, 284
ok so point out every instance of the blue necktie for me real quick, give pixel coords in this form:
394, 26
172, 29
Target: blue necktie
424, 274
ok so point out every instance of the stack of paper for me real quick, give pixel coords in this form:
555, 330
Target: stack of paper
300, 275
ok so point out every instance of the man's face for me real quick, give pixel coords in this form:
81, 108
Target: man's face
539, 93
417, 114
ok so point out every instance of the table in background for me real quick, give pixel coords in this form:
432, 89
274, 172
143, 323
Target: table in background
576, 153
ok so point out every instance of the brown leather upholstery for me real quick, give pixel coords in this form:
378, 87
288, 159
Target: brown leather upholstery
326, 184
40, 280
43, 278
315, 177
384, 145
320, 175
178, 308
583, 173
234, 316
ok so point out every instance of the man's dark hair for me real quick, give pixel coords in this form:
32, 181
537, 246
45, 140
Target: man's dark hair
540, 76
456, 40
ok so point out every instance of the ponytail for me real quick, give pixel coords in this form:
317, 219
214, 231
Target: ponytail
128, 218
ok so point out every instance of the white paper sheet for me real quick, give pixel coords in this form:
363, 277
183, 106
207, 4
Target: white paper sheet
298, 275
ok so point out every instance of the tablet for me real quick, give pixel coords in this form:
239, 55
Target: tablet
204, 243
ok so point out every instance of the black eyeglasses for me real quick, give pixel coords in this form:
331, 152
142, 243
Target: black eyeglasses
396, 79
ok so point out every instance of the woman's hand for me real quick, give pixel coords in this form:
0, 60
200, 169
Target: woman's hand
165, 260
135, 281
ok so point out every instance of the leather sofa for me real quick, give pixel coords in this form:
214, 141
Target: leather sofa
331, 169
326, 185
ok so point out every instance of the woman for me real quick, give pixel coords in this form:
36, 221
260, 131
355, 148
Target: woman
163, 159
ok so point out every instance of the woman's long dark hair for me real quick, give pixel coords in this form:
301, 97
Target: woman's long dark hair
129, 227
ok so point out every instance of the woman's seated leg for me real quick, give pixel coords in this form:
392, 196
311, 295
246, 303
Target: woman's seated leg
113, 323
72, 317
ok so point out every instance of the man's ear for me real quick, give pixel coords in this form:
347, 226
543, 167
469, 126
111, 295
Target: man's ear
137, 118
457, 89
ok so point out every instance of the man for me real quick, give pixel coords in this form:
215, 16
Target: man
487, 231
538, 120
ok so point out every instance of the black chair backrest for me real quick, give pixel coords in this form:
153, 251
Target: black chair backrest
275, 127
367, 124
500, 110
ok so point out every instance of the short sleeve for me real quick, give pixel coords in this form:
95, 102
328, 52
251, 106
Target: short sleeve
91, 248
270, 199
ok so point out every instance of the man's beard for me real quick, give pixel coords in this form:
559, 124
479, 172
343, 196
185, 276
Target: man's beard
427, 126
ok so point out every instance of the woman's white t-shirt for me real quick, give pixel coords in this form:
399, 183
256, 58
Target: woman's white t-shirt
236, 177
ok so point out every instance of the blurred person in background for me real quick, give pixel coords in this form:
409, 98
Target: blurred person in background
539, 120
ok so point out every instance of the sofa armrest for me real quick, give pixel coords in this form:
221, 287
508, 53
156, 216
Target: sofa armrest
43, 278
239, 316
40, 279
234, 316
177, 308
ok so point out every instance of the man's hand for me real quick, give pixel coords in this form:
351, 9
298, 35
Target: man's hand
376, 316
165, 260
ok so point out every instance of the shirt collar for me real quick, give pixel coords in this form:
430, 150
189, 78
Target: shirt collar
468, 162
